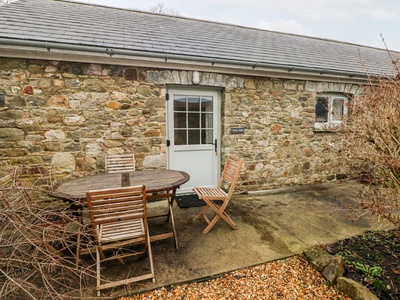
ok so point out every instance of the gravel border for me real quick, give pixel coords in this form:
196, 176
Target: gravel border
290, 278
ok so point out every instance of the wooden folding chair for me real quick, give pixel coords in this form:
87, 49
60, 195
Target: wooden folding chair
119, 163
118, 217
230, 175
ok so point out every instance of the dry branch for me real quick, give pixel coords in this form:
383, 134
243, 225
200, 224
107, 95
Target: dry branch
371, 144
37, 246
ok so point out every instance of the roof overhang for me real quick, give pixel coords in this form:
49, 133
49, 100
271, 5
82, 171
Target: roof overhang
102, 55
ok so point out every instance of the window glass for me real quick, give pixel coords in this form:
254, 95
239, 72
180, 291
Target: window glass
207, 136
193, 120
337, 109
179, 103
321, 110
180, 119
206, 104
194, 136
193, 103
180, 137
207, 120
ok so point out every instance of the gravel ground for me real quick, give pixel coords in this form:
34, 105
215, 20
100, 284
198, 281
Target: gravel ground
291, 278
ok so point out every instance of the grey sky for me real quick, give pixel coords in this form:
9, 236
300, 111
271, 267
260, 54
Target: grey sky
355, 21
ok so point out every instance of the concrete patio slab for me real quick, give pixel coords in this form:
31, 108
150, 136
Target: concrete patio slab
271, 225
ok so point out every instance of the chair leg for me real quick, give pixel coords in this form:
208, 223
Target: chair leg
228, 220
203, 212
219, 214
150, 257
225, 217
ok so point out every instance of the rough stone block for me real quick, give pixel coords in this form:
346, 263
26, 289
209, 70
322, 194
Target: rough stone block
317, 257
63, 163
11, 134
154, 161
334, 269
354, 290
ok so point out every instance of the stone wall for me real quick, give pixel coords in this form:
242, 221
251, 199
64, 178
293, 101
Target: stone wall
60, 119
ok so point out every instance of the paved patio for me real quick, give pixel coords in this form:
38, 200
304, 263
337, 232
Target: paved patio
271, 225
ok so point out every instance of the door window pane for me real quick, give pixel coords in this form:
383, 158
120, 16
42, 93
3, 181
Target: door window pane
180, 120
179, 103
207, 136
207, 120
193, 103
193, 120
180, 137
193, 137
206, 104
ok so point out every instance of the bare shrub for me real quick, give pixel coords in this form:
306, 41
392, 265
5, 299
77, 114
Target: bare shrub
37, 243
371, 144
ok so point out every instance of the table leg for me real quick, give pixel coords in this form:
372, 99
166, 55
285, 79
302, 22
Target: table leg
171, 213
171, 199
170, 195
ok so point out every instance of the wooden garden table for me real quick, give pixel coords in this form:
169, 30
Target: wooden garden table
159, 184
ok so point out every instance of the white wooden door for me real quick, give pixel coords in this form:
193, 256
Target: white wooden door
193, 120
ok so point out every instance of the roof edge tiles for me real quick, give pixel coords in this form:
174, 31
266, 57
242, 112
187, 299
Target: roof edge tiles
49, 46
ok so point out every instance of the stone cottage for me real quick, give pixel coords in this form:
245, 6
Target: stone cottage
78, 81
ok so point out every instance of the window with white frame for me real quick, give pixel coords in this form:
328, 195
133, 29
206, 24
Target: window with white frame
330, 109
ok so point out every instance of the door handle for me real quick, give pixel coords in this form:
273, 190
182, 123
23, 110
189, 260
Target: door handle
215, 146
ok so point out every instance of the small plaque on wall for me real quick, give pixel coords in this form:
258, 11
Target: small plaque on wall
236, 130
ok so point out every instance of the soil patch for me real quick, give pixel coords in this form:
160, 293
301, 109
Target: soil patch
373, 259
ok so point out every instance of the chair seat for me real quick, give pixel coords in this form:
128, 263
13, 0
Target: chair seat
123, 230
214, 193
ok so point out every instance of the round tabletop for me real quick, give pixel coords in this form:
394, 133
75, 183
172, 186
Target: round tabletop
153, 180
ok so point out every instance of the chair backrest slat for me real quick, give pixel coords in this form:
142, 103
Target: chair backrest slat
231, 172
114, 205
118, 163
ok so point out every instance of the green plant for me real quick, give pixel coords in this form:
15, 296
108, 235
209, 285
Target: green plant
373, 274
347, 255
370, 272
379, 286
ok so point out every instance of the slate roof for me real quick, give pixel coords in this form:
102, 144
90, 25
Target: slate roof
66, 23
